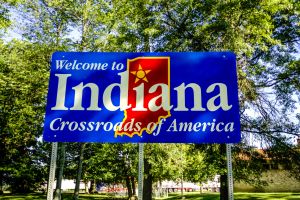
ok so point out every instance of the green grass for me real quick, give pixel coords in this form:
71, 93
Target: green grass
188, 196
194, 196
268, 196
278, 181
254, 196
22, 196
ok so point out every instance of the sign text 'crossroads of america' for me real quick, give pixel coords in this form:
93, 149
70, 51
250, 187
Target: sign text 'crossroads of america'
143, 97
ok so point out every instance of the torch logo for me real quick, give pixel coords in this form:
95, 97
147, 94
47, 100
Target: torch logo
148, 95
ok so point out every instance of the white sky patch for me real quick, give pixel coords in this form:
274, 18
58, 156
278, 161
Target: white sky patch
74, 34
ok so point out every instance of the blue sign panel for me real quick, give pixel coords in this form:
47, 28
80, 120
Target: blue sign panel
143, 97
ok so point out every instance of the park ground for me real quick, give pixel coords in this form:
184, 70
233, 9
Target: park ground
190, 196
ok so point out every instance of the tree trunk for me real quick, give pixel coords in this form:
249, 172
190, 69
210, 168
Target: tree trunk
1, 184
224, 187
93, 187
85, 26
223, 178
133, 186
201, 188
86, 187
128, 185
61, 164
147, 189
160, 190
79, 171
182, 185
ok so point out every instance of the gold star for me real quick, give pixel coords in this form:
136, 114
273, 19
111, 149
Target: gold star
140, 74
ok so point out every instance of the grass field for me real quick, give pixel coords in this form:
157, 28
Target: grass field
189, 196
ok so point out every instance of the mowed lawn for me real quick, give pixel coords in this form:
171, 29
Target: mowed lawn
190, 196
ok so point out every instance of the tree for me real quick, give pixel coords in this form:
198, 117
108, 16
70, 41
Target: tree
112, 163
5, 20
23, 70
46, 22
162, 162
197, 168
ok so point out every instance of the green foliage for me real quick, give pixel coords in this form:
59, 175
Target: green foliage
197, 168
110, 163
5, 5
23, 69
164, 160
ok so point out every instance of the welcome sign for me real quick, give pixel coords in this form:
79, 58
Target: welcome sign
187, 97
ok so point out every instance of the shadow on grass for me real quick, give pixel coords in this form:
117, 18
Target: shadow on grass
33, 196
93, 197
65, 196
268, 196
238, 196
197, 196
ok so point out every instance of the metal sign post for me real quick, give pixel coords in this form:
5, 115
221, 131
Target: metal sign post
52, 171
141, 171
229, 172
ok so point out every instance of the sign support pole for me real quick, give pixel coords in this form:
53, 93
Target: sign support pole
229, 172
52, 171
141, 158
141, 171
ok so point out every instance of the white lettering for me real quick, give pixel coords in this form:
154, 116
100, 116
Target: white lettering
61, 92
123, 87
164, 98
52, 124
60, 63
223, 96
79, 94
139, 98
75, 65
229, 127
181, 97
218, 127
160, 101
185, 126
172, 127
